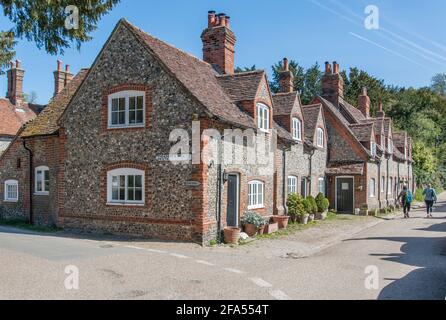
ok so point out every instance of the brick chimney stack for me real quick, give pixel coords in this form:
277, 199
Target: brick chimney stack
15, 83
61, 77
219, 42
286, 78
380, 113
364, 103
332, 83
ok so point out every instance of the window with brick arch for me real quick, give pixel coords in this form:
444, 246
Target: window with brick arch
11, 191
256, 190
125, 186
126, 109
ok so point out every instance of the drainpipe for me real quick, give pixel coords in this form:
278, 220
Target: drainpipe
219, 189
387, 182
379, 183
310, 169
284, 179
31, 178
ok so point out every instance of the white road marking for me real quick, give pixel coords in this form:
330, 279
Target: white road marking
177, 255
156, 250
233, 270
133, 247
279, 295
261, 283
204, 262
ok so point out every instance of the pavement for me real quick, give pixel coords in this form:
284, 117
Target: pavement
352, 257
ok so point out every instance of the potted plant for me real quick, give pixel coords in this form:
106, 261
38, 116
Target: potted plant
231, 235
322, 206
282, 221
252, 222
312, 209
305, 215
295, 207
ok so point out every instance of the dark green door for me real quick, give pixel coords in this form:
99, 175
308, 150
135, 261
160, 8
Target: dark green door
233, 200
344, 195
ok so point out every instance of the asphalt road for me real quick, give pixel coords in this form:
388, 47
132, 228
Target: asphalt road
394, 259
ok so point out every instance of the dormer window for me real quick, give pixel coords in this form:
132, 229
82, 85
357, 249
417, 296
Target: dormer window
320, 138
297, 129
126, 109
262, 117
373, 148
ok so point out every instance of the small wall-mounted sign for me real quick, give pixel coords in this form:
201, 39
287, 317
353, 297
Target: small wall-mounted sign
192, 184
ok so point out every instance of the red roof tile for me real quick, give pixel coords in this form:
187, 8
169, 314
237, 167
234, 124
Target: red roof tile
12, 118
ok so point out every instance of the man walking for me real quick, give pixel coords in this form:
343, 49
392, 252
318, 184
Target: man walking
406, 200
430, 197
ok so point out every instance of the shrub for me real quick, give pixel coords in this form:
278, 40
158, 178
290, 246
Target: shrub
307, 206
295, 206
313, 205
251, 217
322, 203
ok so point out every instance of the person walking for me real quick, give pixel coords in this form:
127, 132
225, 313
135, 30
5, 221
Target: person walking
430, 197
406, 200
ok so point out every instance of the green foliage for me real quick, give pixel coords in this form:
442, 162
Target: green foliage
419, 195
43, 22
295, 205
245, 69
439, 84
251, 217
313, 206
322, 203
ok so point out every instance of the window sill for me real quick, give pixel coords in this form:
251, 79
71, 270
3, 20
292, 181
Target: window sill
10, 201
256, 207
125, 204
41, 193
126, 127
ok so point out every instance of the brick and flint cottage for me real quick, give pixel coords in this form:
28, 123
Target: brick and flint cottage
99, 157
368, 163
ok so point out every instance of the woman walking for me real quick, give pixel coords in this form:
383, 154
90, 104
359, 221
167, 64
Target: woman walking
406, 199
430, 197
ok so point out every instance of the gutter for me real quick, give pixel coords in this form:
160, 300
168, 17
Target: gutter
31, 179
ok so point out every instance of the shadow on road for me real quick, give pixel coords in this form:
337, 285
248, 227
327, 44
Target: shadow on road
429, 255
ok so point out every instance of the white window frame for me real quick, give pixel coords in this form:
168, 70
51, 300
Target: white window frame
263, 116
383, 184
127, 95
292, 184
256, 194
321, 182
297, 129
304, 190
389, 145
372, 188
42, 170
125, 172
389, 185
11, 183
320, 138
383, 141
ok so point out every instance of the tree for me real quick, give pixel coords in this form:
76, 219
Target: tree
439, 84
52, 25
31, 97
245, 69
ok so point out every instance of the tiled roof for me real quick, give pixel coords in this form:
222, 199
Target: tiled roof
345, 168
378, 122
311, 115
197, 76
241, 86
12, 118
354, 112
399, 139
362, 131
387, 126
398, 155
284, 102
202, 81
46, 122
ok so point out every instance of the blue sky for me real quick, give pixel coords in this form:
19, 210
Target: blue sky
407, 50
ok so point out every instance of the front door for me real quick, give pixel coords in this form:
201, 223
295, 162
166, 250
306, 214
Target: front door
344, 195
232, 213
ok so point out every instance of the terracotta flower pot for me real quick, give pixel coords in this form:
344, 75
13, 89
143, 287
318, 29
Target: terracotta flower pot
232, 235
271, 228
282, 221
261, 230
250, 229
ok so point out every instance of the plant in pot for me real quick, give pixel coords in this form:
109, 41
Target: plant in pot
252, 222
305, 214
295, 207
312, 209
322, 206
231, 235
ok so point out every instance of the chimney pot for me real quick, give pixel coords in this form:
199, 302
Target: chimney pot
211, 19
228, 21
286, 66
222, 19
364, 91
59, 65
327, 67
335, 67
67, 68
18, 64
